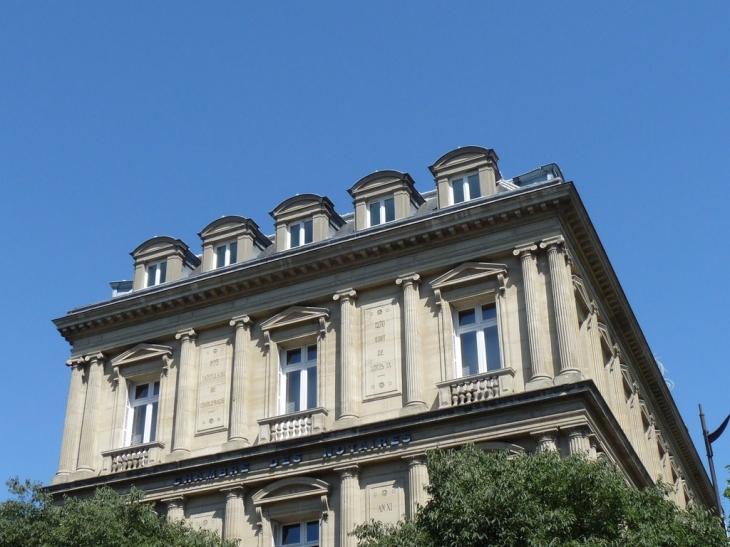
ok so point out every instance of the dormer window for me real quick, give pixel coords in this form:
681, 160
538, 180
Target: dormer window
465, 188
381, 211
226, 254
156, 273
301, 233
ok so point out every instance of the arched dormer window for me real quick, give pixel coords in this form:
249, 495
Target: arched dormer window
303, 219
229, 240
160, 260
384, 196
465, 174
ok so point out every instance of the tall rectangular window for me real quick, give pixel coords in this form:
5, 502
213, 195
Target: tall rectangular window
141, 422
477, 340
226, 254
381, 211
300, 233
301, 534
156, 273
298, 389
465, 188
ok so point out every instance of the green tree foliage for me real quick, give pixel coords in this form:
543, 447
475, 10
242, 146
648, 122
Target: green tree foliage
31, 519
491, 499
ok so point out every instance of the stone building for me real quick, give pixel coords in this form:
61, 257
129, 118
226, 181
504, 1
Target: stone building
282, 389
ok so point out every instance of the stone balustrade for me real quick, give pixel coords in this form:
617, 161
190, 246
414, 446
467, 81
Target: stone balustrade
292, 426
132, 457
476, 388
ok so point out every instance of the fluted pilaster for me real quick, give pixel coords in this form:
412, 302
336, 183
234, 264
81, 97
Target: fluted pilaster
578, 442
566, 322
349, 503
413, 347
541, 367
417, 482
235, 517
237, 429
185, 407
175, 508
349, 372
89, 428
547, 441
74, 418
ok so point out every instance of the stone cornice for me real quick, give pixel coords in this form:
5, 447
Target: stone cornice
442, 226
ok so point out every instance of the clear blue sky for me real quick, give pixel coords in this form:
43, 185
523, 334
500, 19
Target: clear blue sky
124, 120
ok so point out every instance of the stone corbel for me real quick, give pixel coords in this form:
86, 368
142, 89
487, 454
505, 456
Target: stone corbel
502, 284
260, 518
322, 327
439, 298
166, 364
267, 341
325, 507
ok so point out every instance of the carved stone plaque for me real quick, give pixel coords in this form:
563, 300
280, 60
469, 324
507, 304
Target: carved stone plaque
212, 387
386, 502
381, 349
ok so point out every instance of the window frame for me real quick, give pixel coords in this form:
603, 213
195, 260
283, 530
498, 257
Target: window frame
304, 542
479, 327
382, 210
306, 379
230, 253
300, 226
151, 404
466, 188
160, 273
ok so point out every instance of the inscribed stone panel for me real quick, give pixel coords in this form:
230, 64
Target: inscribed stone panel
212, 387
386, 502
381, 349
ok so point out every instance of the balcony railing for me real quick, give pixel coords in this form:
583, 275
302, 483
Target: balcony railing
291, 426
477, 388
132, 457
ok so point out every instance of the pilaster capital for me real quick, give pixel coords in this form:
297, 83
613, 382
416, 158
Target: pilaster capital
241, 321
346, 295
556, 242
349, 471
408, 280
76, 363
234, 492
414, 460
577, 431
94, 358
174, 502
547, 439
187, 335
525, 250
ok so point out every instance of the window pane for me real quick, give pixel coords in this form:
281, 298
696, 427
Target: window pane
294, 356
163, 271
294, 236
467, 317
151, 275
153, 426
389, 209
291, 534
308, 233
469, 354
458, 186
156, 389
293, 389
311, 387
312, 353
489, 313
141, 391
140, 413
474, 190
375, 213
313, 531
233, 248
220, 256
491, 338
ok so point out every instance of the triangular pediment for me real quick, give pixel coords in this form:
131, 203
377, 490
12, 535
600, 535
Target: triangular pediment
468, 272
294, 316
290, 489
142, 352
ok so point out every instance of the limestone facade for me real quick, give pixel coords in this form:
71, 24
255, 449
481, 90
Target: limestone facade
289, 387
